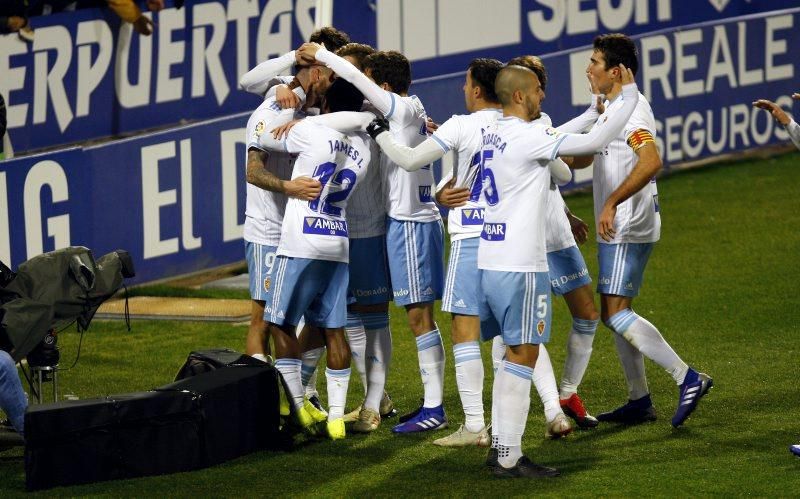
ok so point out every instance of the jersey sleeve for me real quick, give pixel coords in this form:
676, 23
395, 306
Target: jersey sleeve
261, 118
544, 143
448, 134
298, 139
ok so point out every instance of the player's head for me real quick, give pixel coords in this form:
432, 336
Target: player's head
342, 96
479, 83
533, 63
355, 53
519, 91
609, 52
332, 38
315, 79
390, 70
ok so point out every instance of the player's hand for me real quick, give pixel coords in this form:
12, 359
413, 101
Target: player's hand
626, 75
605, 224
143, 25
601, 108
580, 229
286, 98
774, 109
282, 131
796, 96
377, 127
452, 197
15, 23
305, 188
430, 125
307, 53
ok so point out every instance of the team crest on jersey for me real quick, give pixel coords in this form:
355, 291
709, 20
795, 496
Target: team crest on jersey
259, 128
325, 227
472, 216
540, 327
267, 284
551, 131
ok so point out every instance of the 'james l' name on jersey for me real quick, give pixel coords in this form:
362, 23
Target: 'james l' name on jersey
464, 135
638, 219
516, 182
318, 229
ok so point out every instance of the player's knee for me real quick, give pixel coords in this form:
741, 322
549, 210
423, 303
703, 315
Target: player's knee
620, 320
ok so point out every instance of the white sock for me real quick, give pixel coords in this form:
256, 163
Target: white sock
632, 362
357, 339
431, 367
290, 371
579, 350
513, 401
310, 359
338, 380
646, 338
469, 379
378, 356
496, 424
498, 352
545, 382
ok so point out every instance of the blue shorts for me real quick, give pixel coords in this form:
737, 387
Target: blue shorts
516, 305
260, 259
622, 268
461, 295
416, 254
568, 270
369, 271
316, 288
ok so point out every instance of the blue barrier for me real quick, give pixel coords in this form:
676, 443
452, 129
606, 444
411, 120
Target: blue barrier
175, 199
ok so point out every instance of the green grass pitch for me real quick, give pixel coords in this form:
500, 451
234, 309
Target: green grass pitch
722, 286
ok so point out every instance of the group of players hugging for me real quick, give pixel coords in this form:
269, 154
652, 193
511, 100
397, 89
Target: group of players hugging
342, 217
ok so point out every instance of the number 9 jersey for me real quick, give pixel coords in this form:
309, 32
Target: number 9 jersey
317, 229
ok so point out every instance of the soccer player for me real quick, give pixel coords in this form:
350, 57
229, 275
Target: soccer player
462, 135
414, 233
793, 129
628, 224
512, 255
786, 121
269, 182
569, 277
310, 273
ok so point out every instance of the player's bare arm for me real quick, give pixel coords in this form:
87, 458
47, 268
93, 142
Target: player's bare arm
258, 175
646, 168
452, 197
580, 229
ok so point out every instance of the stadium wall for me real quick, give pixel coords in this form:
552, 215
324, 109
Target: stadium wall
175, 198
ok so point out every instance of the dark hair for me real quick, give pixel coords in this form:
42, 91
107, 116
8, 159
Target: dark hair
533, 63
390, 67
332, 38
358, 51
343, 96
618, 49
483, 72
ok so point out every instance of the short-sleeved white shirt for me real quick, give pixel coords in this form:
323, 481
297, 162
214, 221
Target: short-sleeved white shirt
516, 181
318, 229
264, 209
463, 135
638, 219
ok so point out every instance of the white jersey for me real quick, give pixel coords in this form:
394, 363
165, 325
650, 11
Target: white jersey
409, 195
558, 231
366, 207
463, 134
515, 185
318, 229
264, 209
637, 219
